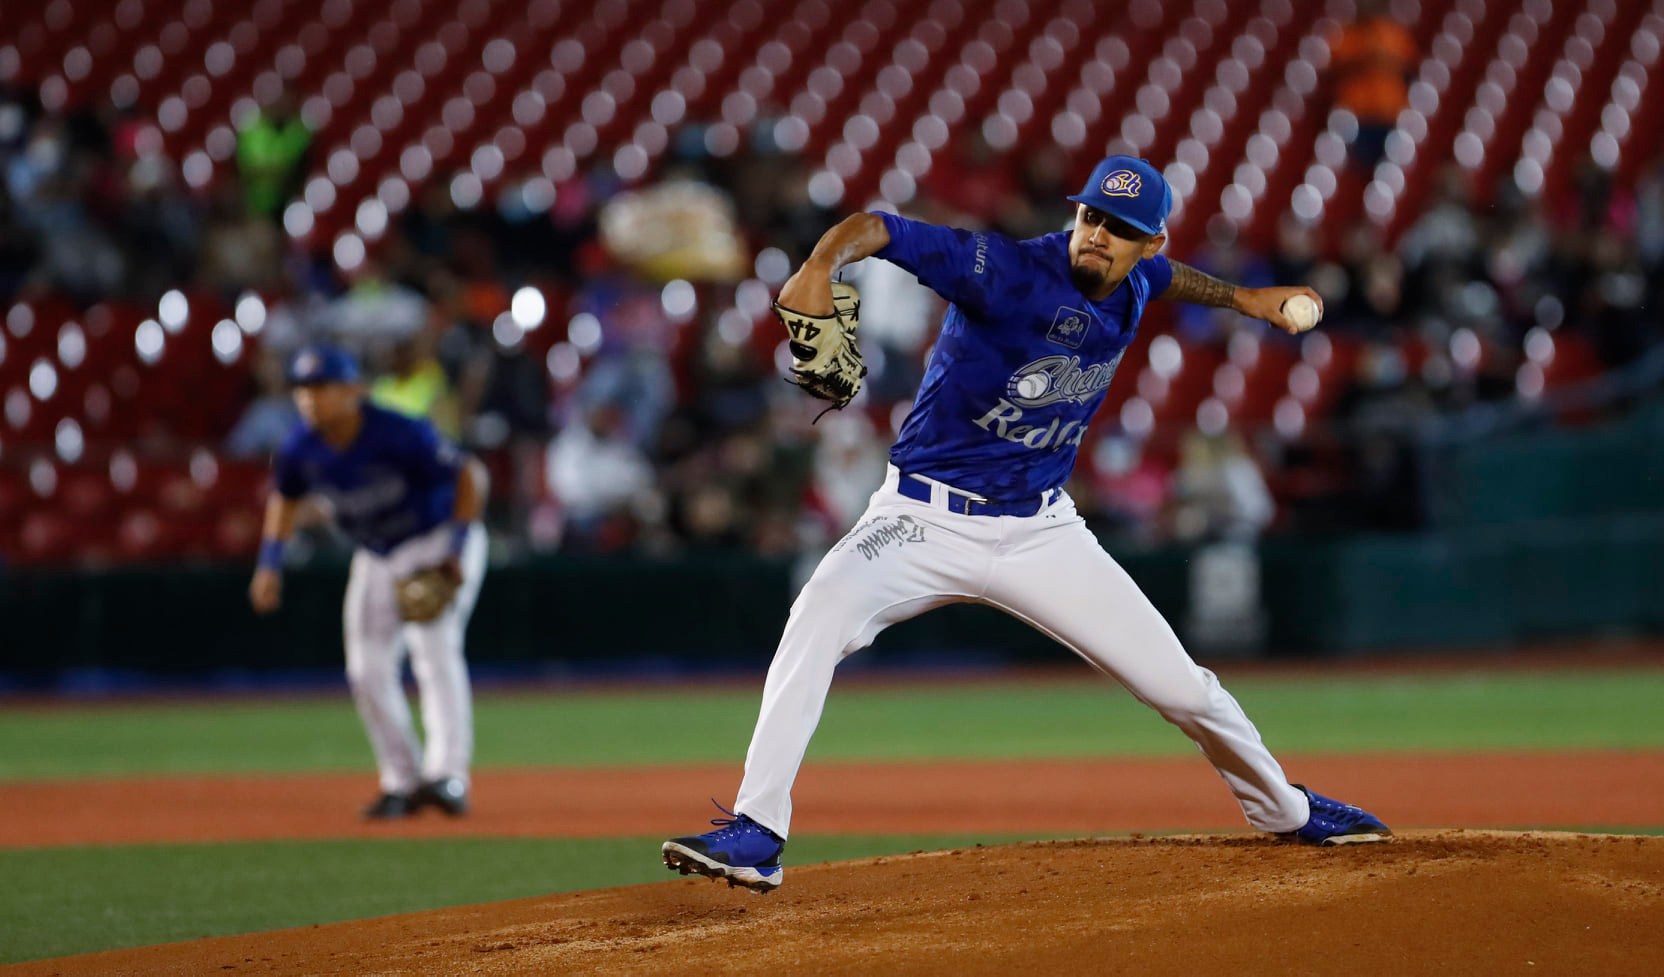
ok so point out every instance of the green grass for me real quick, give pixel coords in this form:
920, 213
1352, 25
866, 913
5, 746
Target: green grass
63, 901
1074, 717
81, 899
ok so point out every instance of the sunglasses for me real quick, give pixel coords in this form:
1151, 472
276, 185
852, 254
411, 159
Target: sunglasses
1116, 227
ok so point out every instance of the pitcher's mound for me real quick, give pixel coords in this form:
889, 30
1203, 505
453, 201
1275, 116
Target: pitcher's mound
1451, 902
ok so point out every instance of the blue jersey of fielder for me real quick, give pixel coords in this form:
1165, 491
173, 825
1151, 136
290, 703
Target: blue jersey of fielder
1023, 360
395, 481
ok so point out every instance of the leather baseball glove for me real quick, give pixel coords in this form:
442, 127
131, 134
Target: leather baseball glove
826, 361
425, 594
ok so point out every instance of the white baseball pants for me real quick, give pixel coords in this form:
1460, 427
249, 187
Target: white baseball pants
905, 557
377, 639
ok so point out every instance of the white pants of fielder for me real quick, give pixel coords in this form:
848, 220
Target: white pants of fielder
905, 557
377, 640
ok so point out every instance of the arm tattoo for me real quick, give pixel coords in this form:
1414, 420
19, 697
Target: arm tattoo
1190, 285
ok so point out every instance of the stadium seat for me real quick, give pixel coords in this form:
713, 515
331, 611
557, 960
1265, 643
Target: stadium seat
403, 92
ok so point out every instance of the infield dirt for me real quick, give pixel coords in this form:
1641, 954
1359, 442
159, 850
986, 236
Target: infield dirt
1088, 797
1434, 902
1443, 902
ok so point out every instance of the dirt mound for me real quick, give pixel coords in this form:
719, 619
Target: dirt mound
1454, 902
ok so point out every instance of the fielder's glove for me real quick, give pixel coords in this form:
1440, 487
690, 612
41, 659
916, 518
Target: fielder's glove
425, 594
826, 362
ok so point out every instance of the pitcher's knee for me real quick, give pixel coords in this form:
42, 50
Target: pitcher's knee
365, 676
1184, 706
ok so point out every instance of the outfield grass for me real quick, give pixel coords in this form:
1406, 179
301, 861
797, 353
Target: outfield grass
1079, 717
85, 899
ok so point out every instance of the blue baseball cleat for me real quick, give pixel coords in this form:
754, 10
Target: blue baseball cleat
1335, 823
740, 850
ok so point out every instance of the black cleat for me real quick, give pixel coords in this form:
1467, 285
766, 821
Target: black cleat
448, 795
389, 807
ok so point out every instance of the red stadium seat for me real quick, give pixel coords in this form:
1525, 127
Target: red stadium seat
1228, 96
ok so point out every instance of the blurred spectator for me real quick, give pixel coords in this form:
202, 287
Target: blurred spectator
18, 253
1593, 202
159, 227
1518, 253
1379, 414
425, 229
409, 379
1441, 256
240, 250
899, 317
273, 152
51, 189
1218, 490
622, 324
656, 359
19, 107
595, 473
723, 495
1295, 256
1129, 488
729, 385
1447, 232
849, 464
1364, 293
1649, 218
1371, 62
42, 155
505, 398
270, 417
291, 318
795, 222
1613, 304
709, 516
481, 294
373, 308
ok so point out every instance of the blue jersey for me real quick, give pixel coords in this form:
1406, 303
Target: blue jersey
395, 481
1022, 362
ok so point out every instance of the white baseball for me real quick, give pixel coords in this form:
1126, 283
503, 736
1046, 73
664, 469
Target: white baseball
1302, 311
1032, 386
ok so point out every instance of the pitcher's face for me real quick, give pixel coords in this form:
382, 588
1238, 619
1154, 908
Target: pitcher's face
1103, 248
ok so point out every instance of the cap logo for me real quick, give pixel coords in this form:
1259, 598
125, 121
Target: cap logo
1122, 183
306, 362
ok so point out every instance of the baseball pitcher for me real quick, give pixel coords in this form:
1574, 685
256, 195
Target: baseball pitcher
973, 507
411, 502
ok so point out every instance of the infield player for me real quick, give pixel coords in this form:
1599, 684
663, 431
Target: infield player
411, 502
973, 507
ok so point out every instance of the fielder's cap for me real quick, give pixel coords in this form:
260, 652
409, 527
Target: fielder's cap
321, 363
1130, 189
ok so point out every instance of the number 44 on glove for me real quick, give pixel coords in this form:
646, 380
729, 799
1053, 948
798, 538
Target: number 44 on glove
826, 362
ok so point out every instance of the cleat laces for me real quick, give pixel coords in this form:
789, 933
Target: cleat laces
736, 826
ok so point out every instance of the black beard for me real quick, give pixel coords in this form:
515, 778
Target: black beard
1087, 280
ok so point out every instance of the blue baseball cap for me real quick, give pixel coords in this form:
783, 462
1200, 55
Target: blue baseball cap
321, 363
1130, 189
